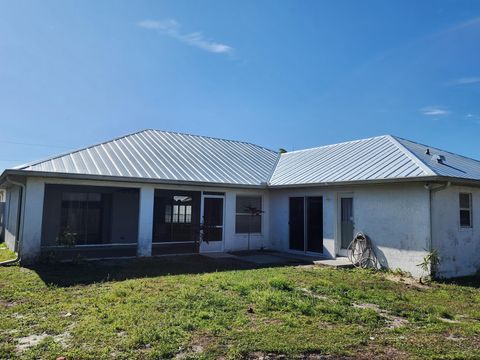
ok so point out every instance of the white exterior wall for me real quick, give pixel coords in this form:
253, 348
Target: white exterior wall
396, 218
459, 248
11, 216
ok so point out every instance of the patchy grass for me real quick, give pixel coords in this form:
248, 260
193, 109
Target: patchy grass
136, 310
5, 253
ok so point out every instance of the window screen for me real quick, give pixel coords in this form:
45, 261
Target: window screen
465, 210
248, 214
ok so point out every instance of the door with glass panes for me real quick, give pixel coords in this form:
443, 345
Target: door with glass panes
212, 228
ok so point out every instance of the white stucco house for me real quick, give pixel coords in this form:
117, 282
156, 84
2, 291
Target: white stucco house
153, 192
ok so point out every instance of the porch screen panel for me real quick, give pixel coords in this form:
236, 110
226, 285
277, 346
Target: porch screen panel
85, 218
176, 216
89, 215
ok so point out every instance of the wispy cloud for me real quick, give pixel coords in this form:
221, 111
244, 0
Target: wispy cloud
434, 111
466, 80
471, 116
172, 28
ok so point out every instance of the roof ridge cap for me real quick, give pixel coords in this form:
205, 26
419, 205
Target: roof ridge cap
412, 156
334, 144
211, 137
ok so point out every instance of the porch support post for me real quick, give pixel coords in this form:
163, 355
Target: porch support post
145, 221
31, 224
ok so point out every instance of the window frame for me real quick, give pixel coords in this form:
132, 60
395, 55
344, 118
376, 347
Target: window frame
469, 209
248, 214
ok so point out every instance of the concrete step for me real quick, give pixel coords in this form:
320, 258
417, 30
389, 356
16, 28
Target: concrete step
338, 263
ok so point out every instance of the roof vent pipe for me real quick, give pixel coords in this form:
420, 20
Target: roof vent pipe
439, 158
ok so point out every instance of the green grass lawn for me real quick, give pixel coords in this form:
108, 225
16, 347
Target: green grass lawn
167, 308
5, 253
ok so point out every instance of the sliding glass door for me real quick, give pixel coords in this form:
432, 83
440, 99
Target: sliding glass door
315, 224
296, 223
306, 224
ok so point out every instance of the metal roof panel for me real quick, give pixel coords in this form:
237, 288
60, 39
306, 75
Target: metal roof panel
162, 155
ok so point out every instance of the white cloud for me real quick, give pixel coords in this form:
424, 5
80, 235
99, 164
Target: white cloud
172, 28
434, 111
467, 80
471, 116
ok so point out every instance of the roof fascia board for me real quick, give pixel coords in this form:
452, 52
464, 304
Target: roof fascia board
436, 179
359, 182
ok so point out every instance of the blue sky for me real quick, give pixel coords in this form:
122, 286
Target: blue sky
291, 74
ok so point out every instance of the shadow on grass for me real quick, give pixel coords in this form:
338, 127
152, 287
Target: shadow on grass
470, 281
89, 272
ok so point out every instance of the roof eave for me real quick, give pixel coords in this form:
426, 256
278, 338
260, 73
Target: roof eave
365, 182
123, 179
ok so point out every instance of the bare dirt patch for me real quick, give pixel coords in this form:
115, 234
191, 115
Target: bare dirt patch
406, 280
393, 321
450, 321
199, 344
273, 356
380, 352
27, 342
316, 296
7, 304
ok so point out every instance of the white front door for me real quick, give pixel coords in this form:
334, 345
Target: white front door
212, 215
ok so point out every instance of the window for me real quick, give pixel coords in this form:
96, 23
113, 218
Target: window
465, 210
248, 214
179, 211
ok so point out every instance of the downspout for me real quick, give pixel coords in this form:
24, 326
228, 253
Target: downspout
20, 223
431, 192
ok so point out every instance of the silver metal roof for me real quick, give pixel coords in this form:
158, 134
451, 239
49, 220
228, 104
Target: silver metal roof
167, 156
378, 158
152, 154
444, 163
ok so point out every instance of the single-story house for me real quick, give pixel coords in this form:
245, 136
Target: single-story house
156, 192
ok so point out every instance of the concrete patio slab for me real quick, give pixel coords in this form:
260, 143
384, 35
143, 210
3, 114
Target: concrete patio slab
218, 255
273, 257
